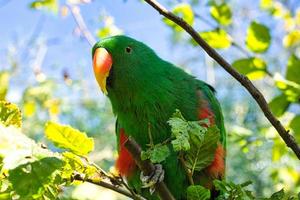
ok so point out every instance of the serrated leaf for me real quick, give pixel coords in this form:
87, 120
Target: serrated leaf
184, 11
221, 13
289, 88
30, 179
74, 163
258, 37
197, 192
253, 68
230, 189
293, 69
181, 143
10, 114
4, 83
156, 154
292, 38
278, 195
279, 105
202, 151
217, 38
182, 130
69, 138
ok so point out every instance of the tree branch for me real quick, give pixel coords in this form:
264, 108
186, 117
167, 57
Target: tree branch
81, 24
101, 183
147, 167
255, 93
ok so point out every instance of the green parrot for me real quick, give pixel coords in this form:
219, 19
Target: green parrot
146, 90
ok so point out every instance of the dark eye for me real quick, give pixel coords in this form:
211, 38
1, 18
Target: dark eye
128, 49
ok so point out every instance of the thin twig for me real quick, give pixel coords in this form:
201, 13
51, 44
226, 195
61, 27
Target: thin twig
81, 24
148, 168
104, 184
187, 171
255, 93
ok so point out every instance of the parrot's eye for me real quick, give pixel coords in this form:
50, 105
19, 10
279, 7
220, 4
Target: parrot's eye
128, 49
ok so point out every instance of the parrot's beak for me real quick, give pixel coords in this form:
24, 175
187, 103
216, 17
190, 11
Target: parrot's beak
102, 63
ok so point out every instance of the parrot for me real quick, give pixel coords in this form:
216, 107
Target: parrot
145, 90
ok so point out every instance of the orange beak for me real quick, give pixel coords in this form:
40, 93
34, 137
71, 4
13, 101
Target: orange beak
102, 63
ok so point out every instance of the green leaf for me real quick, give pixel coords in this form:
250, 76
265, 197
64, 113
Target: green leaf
75, 163
217, 38
109, 28
292, 39
197, 192
182, 130
279, 105
49, 5
266, 4
293, 69
202, 150
31, 179
278, 195
16, 148
156, 154
230, 190
179, 129
295, 126
253, 68
289, 88
258, 37
69, 138
39, 93
184, 11
10, 114
221, 13
181, 143
4, 83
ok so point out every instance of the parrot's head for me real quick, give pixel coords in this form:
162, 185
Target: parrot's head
121, 62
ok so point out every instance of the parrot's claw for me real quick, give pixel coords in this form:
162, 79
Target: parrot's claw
156, 176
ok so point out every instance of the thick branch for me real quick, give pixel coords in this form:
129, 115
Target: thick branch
255, 93
147, 167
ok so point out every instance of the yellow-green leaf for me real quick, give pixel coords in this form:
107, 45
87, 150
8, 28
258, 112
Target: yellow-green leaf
279, 105
253, 68
10, 114
184, 11
289, 88
293, 69
292, 38
69, 138
29, 108
30, 179
197, 192
295, 126
217, 38
4, 82
258, 37
50, 5
266, 4
221, 13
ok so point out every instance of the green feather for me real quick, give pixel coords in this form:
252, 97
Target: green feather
143, 90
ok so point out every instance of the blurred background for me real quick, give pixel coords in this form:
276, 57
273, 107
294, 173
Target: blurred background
46, 69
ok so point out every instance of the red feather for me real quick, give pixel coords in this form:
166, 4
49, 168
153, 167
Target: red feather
217, 167
125, 163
